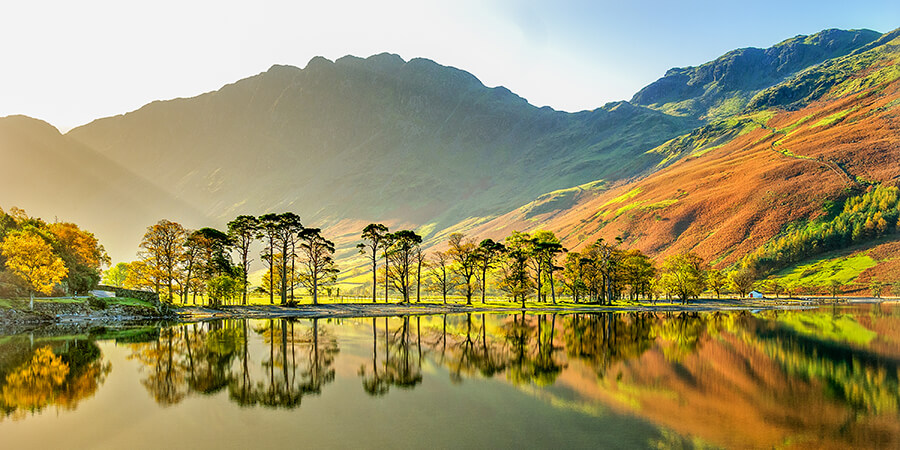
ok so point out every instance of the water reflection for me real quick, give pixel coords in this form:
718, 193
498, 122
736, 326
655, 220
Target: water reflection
822, 378
41, 373
205, 358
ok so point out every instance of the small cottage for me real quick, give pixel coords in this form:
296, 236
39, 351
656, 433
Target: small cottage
755, 294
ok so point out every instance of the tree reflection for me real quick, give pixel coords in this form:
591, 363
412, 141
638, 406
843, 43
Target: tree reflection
694, 373
296, 359
60, 374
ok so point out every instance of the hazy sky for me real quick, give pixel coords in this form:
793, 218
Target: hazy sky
69, 62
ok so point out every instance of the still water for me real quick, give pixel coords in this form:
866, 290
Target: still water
824, 378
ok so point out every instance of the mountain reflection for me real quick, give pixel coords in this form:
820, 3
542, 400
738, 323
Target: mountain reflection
730, 378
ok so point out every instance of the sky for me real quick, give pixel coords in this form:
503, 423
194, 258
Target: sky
70, 62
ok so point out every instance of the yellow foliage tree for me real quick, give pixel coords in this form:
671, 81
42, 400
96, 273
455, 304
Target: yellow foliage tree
32, 259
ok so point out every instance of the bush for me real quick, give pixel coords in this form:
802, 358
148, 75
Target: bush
97, 304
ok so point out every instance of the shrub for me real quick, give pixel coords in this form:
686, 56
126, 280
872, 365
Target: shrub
97, 304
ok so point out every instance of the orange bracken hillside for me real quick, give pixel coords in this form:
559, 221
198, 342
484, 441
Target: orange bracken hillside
724, 201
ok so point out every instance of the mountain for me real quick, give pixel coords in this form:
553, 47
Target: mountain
722, 159
804, 155
726, 85
375, 139
55, 178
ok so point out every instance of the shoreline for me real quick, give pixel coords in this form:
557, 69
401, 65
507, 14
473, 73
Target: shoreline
350, 310
79, 315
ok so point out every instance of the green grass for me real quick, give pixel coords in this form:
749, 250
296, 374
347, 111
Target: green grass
126, 301
790, 128
821, 271
626, 196
833, 118
23, 303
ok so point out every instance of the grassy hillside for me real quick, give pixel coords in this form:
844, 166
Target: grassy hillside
736, 185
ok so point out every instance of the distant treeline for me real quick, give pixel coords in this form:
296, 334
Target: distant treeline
535, 265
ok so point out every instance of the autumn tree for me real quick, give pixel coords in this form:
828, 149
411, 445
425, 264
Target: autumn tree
374, 234
317, 258
82, 254
161, 249
243, 230
31, 258
465, 258
138, 276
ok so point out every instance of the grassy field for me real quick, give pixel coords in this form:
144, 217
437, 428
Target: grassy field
23, 302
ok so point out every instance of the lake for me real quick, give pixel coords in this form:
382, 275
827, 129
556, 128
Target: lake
821, 378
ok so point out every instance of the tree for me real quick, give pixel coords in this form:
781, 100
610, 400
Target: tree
243, 230
317, 257
161, 250
683, 276
742, 281
211, 257
374, 233
31, 258
637, 271
139, 276
404, 245
116, 275
776, 287
222, 289
387, 240
716, 280
573, 274
876, 287
288, 229
440, 269
268, 229
489, 253
834, 286
82, 254
514, 278
419, 256
544, 247
465, 258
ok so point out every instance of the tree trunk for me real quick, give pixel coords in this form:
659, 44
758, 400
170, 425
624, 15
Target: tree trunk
374, 273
